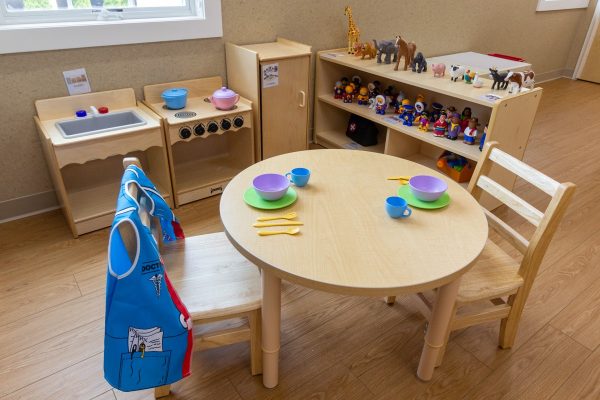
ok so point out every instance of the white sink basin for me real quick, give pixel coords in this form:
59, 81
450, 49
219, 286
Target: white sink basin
95, 124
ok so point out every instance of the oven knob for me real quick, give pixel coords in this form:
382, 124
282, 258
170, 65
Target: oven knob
238, 121
225, 124
212, 127
185, 132
199, 130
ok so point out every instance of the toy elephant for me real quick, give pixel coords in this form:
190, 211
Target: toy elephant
387, 47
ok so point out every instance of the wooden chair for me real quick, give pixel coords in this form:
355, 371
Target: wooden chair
497, 283
216, 283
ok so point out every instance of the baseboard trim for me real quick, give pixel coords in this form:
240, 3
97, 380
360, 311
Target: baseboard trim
26, 206
556, 74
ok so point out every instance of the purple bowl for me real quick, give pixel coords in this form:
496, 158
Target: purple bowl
427, 188
271, 186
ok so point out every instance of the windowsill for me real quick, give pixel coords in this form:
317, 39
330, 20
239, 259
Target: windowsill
70, 35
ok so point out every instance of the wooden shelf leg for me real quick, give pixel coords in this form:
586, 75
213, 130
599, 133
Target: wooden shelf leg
271, 327
438, 328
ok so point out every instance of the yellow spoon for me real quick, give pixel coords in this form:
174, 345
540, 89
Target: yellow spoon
290, 231
402, 179
283, 223
290, 215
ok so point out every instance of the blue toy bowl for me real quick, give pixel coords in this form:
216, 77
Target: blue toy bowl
175, 98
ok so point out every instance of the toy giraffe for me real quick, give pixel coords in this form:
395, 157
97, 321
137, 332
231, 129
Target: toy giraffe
353, 31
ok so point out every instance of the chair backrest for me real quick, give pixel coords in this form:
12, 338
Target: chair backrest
545, 222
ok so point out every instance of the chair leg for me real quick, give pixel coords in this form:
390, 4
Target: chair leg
254, 320
390, 300
510, 324
162, 391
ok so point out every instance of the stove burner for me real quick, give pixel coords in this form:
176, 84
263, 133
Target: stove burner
185, 114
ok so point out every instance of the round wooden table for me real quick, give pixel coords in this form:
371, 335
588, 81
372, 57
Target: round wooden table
349, 245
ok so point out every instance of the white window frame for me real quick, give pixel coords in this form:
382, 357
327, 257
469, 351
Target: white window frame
20, 38
552, 5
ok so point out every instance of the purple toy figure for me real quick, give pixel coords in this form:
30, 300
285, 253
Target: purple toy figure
440, 126
454, 128
471, 131
423, 121
380, 105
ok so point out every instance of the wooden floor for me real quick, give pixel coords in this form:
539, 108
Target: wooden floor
333, 347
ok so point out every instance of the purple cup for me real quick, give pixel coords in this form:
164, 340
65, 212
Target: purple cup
427, 188
271, 187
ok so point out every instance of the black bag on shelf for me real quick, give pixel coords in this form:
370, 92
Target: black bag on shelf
362, 131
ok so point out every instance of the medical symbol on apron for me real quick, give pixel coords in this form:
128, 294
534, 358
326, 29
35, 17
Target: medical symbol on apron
156, 279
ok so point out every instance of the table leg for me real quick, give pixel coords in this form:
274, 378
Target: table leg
437, 330
271, 327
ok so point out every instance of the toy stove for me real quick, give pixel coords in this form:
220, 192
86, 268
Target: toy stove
207, 147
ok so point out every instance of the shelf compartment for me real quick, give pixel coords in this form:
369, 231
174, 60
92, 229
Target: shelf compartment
203, 167
457, 146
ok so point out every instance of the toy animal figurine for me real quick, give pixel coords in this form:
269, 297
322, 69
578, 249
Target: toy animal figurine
380, 105
353, 31
477, 81
457, 71
338, 90
499, 78
440, 126
348, 93
439, 70
367, 50
423, 121
363, 96
388, 48
419, 64
408, 115
436, 111
469, 76
454, 127
516, 80
471, 131
406, 50
465, 116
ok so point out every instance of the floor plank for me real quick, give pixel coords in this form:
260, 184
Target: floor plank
584, 383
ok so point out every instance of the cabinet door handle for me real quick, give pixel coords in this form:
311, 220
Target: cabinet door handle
303, 103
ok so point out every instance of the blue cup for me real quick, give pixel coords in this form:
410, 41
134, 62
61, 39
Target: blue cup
299, 176
397, 207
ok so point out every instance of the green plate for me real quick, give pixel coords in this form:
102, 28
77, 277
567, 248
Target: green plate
405, 192
253, 199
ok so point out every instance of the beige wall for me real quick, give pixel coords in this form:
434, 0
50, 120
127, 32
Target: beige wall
507, 26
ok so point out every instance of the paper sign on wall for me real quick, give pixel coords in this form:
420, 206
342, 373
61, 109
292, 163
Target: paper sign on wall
270, 75
77, 81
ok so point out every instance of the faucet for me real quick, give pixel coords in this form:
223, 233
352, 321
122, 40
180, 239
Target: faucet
94, 111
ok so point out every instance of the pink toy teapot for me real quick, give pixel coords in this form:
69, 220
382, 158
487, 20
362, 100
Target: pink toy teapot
224, 99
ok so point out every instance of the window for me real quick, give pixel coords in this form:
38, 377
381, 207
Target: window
32, 25
551, 5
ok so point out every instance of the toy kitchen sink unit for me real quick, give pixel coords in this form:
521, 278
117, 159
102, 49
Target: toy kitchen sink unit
84, 139
207, 146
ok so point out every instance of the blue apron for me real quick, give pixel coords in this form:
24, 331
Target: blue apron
148, 336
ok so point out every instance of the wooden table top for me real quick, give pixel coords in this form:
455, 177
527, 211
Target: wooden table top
349, 244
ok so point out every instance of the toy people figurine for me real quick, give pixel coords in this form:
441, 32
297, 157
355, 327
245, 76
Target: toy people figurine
408, 115
401, 105
450, 112
454, 127
349, 93
357, 81
362, 97
436, 111
338, 90
373, 89
440, 126
423, 121
471, 131
380, 105
464, 118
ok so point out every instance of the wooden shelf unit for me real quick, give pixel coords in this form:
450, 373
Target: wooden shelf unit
86, 171
201, 166
509, 119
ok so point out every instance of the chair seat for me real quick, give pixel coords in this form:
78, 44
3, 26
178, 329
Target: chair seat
495, 274
211, 277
